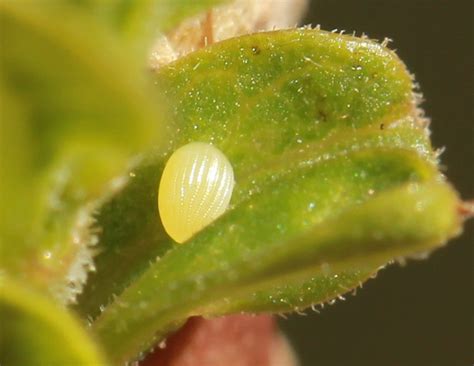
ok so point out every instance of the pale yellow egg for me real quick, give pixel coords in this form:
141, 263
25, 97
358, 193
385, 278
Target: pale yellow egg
195, 189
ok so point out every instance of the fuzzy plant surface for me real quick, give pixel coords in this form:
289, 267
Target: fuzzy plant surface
335, 175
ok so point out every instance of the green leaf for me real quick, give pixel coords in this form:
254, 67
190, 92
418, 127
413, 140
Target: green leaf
335, 176
268, 101
400, 222
35, 331
77, 109
293, 296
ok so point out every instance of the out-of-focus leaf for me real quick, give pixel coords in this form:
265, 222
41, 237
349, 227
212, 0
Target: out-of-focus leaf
36, 331
75, 109
334, 175
171, 12
138, 22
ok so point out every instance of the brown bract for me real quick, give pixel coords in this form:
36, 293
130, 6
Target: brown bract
236, 340
237, 18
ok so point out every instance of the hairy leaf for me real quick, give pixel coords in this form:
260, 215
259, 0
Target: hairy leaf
399, 222
335, 177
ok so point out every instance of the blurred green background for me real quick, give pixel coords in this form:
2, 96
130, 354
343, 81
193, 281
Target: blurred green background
421, 314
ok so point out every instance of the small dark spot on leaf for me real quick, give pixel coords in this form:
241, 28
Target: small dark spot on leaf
322, 115
256, 50
382, 126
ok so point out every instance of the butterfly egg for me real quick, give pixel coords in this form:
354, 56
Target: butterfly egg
195, 189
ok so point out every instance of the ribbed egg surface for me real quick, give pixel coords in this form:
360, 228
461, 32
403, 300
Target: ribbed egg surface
195, 189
